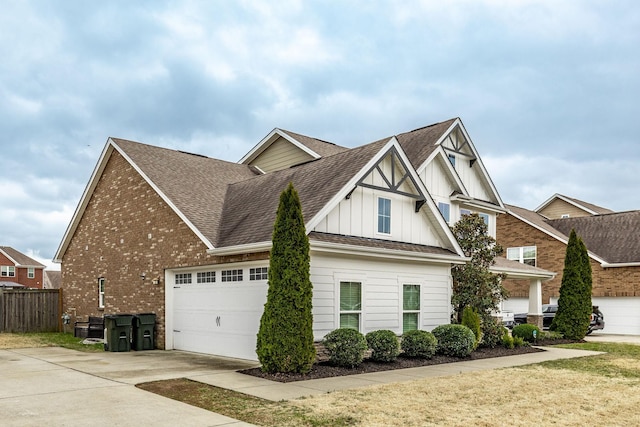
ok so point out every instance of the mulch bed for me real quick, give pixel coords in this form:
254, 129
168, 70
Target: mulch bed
325, 370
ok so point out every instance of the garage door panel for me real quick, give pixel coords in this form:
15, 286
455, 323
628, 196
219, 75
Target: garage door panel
218, 319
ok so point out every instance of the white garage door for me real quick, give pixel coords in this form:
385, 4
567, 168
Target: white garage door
621, 314
218, 318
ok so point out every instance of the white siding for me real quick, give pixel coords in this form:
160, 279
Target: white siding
381, 292
358, 216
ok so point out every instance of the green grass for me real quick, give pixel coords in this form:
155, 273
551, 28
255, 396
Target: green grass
620, 360
53, 339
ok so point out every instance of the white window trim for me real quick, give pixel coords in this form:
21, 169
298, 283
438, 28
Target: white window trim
31, 273
377, 222
521, 257
402, 310
8, 271
254, 275
101, 292
346, 277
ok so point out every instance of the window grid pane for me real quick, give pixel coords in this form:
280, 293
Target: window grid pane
183, 278
206, 277
259, 273
232, 275
384, 215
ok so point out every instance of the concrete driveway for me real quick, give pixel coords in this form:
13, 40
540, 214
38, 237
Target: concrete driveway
60, 387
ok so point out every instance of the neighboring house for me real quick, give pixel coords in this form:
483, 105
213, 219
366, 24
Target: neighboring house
52, 279
559, 206
188, 237
613, 242
18, 270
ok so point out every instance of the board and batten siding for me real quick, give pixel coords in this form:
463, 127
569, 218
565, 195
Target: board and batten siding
358, 215
280, 155
382, 282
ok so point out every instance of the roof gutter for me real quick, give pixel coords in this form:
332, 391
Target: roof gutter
241, 249
619, 264
385, 253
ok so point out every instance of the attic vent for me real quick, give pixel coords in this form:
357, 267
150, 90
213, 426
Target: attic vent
193, 154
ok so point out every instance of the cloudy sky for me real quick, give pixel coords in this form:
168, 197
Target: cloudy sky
548, 91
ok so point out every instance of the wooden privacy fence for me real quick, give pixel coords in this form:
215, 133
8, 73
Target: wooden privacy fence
30, 310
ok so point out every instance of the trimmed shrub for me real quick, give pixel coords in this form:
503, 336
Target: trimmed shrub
384, 345
346, 347
454, 340
492, 332
471, 320
419, 344
525, 331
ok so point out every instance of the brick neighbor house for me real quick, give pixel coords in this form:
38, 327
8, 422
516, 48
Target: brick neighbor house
540, 237
187, 237
19, 270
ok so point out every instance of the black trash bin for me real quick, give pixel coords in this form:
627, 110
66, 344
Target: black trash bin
144, 326
118, 332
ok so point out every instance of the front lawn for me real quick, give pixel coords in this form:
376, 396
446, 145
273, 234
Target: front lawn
46, 339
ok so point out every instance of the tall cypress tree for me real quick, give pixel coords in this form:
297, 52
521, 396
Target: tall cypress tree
285, 338
574, 305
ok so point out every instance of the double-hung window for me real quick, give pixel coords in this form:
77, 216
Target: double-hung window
410, 307
445, 210
8, 271
31, 273
101, 292
384, 215
523, 254
350, 304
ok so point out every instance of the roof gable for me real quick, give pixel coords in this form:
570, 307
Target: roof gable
587, 208
303, 148
19, 259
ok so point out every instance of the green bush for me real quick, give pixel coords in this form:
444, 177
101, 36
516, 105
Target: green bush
471, 319
550, 335
492, 332
507, 341
525, 331
384, 345
346, 347
519, 342
419, 344
454, 340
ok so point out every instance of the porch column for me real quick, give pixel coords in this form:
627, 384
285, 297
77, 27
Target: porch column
534, 316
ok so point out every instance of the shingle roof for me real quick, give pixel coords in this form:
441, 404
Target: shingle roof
21, 259
420, 143
537, 220
378, 243
595, 208
54, 278
515, 267
323, 148
195, 184
614, 237
251, 205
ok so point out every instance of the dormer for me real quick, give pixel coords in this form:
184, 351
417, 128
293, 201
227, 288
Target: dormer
282, 149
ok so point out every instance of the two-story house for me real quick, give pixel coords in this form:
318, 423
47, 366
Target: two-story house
539, 238
17, 270
188, 237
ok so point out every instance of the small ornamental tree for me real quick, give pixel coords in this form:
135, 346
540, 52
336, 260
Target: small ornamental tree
285, 338
574, 305
473, 284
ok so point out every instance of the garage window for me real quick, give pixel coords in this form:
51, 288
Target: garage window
183, 278
350, 304
206, 277
259, 273
232, 275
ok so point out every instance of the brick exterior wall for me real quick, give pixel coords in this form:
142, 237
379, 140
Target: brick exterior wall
22, 275
127, 229
607, 282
